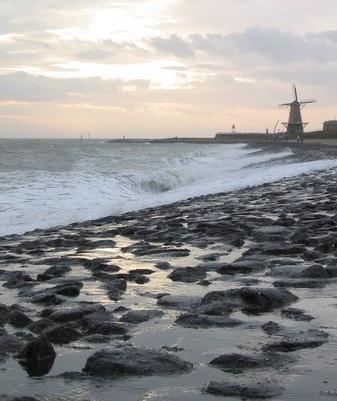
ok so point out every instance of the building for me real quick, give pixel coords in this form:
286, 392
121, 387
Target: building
330, 126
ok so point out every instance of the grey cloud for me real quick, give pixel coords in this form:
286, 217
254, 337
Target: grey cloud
173, 45
21, 86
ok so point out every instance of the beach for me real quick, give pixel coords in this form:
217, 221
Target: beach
230, 294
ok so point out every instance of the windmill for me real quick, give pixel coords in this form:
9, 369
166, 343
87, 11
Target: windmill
295, 124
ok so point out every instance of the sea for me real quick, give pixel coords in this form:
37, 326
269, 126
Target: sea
52, 182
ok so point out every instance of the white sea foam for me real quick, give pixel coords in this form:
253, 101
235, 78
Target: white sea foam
49, 183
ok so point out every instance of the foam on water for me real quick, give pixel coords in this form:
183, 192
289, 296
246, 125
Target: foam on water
47, 183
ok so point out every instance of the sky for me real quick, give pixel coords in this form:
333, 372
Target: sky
162, 68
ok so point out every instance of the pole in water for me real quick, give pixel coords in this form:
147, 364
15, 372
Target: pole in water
81, 138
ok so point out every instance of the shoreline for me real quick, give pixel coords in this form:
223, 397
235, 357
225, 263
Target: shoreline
223, 288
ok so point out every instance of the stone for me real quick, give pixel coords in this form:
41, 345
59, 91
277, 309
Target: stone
163, 265
236, 363
61, 334
37, 357
271, 328
311, 338
10, 343
187, 274
75, 313
179, 301
141, 279
38, 326
131, 360
243, 266
102, 323
18, 319
258, 390
248, 299
296, 314
193, 320
141, 315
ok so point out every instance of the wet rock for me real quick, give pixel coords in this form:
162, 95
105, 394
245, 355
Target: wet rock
46, 299
163, 265
296, 314
100, 264
243, 266
311, 338
136, 272
130, 360
18, 319
249, 300
40, 325
52, 272
10, 343
62, 334
245, 391
209, 257
271, 328
204, 283
283, 249
237, 363
37, 357
116, 288
75, 313
18, 280
142, 315
187, 274
179, 301
141, 279
102, 323
193, 320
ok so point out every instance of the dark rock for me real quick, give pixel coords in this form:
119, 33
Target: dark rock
141, 279
97, 338
129, 360
10, 343
283, 249
187, 274
52, 272
311, 338
193, 320
62, 334
243, 266
40, 325
236, 363
249, 300
163, 265
142, 315
116, 288
210, 257
296, 314
75, 313
137, 272
179, 301
37, 357
18, 319
271, 328
102, 323
245, 391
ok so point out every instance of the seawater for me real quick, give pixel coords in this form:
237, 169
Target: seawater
46, 183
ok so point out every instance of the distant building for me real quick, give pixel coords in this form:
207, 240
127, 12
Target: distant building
330, 126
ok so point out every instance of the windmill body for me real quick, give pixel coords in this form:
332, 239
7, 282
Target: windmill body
295, 124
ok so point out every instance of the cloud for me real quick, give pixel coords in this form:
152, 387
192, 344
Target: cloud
172, 45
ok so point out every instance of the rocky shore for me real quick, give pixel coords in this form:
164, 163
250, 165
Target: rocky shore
231, 294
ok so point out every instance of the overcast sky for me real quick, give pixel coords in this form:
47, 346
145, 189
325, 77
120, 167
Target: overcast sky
154, 68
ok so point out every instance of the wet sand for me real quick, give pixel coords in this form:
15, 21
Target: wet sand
197, 282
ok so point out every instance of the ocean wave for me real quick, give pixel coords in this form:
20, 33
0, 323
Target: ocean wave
73, 183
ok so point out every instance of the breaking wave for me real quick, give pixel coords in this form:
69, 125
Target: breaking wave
47, 183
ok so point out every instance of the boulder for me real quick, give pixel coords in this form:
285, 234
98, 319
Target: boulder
193, 320
75, 313
131, 360
10, 343
311, 338
187, 274
249, 300
179, 301
61, 334
258, 390
141, 315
